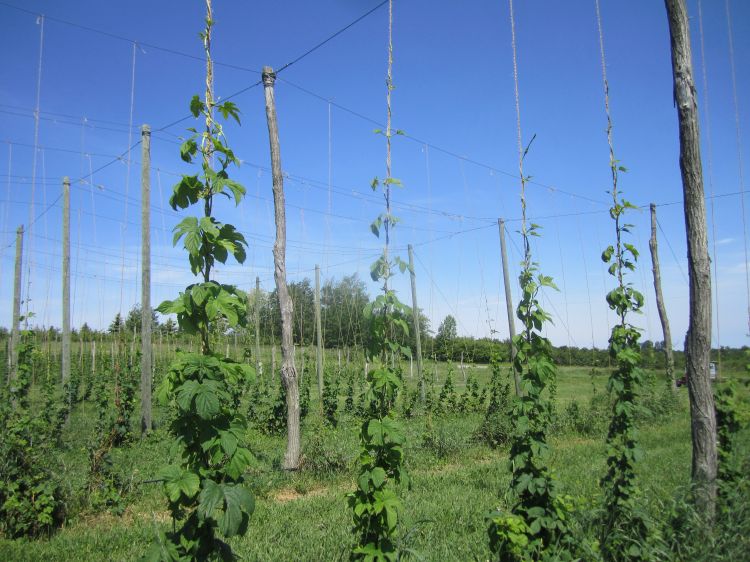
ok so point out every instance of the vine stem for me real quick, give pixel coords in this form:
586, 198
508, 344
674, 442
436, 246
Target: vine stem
612, 160
524, 233
387, 186
207, 150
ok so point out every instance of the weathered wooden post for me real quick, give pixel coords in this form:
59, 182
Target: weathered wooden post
146, 349
14, 332
256, 314
415, 321
652, 244
702, 413
318, 337
288, 372
509, 306
65, 360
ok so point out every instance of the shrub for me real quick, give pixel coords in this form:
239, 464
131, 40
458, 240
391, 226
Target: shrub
31, 502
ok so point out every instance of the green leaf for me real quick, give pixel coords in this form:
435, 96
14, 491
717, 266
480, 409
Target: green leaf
207, 402
238, 500
240, 460
229, 442
185, 193
177, 482
210, 226
375, 226
185, 394
188, 149
212, 496
196, 106
229, 109
377, 476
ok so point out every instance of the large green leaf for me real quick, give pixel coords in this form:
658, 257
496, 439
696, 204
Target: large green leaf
239, 504
207, 402
229, 441
240, 460
212, 497
186, 192
178, 482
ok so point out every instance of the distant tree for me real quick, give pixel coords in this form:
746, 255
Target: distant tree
446, 337
133, 320
169, 327
86, 333
303, 320
116, 326
342, 308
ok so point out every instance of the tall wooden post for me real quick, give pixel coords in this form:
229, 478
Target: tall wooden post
318, 336
14, 333
415, 321
256, 313
509, 306
702, 413
65, 361
146, 349
660, 300
288, 372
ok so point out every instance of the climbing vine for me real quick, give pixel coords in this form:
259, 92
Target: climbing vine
624, 531
375, 504
538, 517
538, 506
619, 482
623, 451
206, 493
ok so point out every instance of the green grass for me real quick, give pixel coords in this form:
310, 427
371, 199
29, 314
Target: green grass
304, 516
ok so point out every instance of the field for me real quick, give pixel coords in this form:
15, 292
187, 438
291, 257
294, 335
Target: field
456, 479
221, 419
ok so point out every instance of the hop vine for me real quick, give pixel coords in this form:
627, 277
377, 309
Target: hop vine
207, 494
375, 504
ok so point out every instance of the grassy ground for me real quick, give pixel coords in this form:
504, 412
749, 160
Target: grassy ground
303, 516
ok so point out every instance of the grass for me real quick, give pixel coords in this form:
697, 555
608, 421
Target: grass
304, 516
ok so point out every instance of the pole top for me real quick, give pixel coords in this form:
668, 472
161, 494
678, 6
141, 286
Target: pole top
145, 129
19, 230
66, 181
268, 75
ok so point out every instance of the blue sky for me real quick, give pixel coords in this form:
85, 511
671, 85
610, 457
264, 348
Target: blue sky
454, 97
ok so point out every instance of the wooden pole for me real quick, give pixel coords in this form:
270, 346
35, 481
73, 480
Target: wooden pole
65, 360
415, 321
14, 329
288, 372
256, 313
318, 336
509, 306
702, 413
660, 300
146, 349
